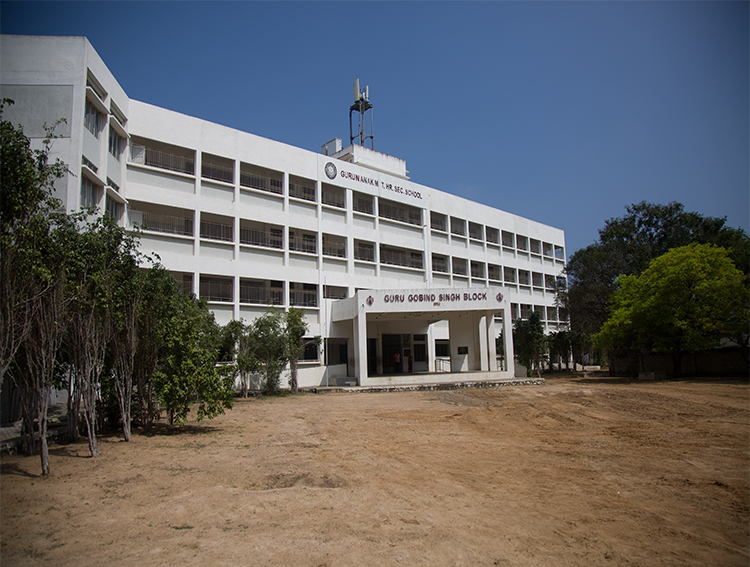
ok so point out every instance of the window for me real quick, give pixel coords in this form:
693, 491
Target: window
399, 212
442, 348
89, 193
333, 196
115, 143
363, 203
216, 230
113, 208
437, 221
400, 257
335, 292
492, 234
364, 251
305, 191
302, 242
440, 263
311, 350
334, 246
494, 272
261, 292
216, 289
477, 269
508, 239
92, 118
459, 266
303, 295
458, 226
476, 231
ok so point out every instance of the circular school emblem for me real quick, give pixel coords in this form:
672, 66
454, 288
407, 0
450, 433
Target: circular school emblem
370, 301
499, 297
330, 170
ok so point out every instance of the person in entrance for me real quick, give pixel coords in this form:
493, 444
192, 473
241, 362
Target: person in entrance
397, 362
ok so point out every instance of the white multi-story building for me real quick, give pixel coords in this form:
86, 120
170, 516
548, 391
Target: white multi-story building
384, 268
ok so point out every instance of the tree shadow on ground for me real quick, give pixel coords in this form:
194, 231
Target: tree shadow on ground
14, 468
166, 430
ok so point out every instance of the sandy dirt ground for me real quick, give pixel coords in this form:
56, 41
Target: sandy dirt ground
576, 472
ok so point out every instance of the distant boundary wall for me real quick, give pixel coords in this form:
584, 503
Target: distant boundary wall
729, 362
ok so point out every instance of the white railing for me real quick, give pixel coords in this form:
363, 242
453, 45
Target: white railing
261, 182
217, 231
217, 172
216, 291
143, 155
259, 237
401, 258
261, 295
303, 243
337, 249
302, 192
162, 223
442, 365
302, 298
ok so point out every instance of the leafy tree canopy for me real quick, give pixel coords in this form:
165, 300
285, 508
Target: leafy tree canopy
529, 342
627, 245
687, 300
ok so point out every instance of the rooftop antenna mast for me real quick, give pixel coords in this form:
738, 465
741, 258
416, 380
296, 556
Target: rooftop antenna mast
361, 105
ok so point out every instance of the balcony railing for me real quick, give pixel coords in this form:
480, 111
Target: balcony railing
143, 155
302, 192
217, 231
439, 265
217, 172
437, 223
365, 252
399, 214
185, 286
303, 298
258, 237
337, 249
261, 182
333, 199
261, 295
216, 291
303, 243
362, 205
162, 223
477, 270
401, 258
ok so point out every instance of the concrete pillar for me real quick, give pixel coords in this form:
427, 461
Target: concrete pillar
360, 347
483, 346
491, 346
510, 357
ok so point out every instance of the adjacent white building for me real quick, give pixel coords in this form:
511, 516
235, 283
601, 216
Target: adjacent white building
405, 283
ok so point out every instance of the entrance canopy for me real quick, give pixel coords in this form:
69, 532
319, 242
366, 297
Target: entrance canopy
469, 313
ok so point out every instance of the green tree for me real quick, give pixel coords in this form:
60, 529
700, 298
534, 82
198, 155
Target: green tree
687, 300
28, 215
33, 259
187, 373
159, 302
627, 244
295, 329
529, 342
268, 348
559, 347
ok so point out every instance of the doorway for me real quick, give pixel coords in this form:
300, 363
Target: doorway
392, 347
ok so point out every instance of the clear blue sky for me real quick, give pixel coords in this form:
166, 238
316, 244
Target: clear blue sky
561, 112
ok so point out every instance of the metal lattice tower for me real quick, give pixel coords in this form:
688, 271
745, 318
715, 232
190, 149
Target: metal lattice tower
361, 105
